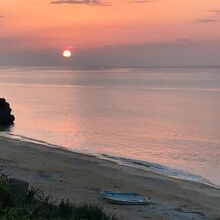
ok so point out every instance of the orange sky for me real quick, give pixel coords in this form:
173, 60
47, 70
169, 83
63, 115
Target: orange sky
38, 23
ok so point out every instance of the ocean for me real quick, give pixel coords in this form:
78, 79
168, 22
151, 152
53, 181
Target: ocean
162, 119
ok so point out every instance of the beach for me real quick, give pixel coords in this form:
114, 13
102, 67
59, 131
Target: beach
78, 177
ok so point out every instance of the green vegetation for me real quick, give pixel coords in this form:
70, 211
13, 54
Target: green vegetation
17, 204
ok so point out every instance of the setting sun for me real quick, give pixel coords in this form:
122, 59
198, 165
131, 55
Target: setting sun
67, 53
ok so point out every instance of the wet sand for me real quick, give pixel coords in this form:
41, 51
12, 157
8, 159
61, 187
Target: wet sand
65, 174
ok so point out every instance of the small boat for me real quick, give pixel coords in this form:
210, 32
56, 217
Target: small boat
124, 198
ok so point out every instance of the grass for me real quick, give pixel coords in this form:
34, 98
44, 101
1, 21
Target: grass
34, 205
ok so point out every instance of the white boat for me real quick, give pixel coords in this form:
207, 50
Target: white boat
124, 198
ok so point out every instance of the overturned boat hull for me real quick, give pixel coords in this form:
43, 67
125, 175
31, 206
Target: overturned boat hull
125, 198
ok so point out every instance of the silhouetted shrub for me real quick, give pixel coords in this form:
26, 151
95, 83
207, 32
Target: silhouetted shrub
34, 205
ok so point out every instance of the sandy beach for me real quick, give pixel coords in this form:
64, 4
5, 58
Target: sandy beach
65, 174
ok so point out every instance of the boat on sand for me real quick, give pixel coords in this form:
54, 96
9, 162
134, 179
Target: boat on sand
124, 198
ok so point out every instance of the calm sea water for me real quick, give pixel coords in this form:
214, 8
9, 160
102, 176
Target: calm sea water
169, 117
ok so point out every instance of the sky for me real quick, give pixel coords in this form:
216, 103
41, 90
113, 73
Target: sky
111, 33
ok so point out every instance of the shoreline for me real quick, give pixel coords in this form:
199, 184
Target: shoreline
157, 169
66, 174
134, 163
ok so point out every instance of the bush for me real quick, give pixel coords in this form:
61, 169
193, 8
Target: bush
34, 205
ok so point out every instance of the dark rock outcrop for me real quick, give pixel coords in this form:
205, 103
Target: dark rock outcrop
6, 118
20, 187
